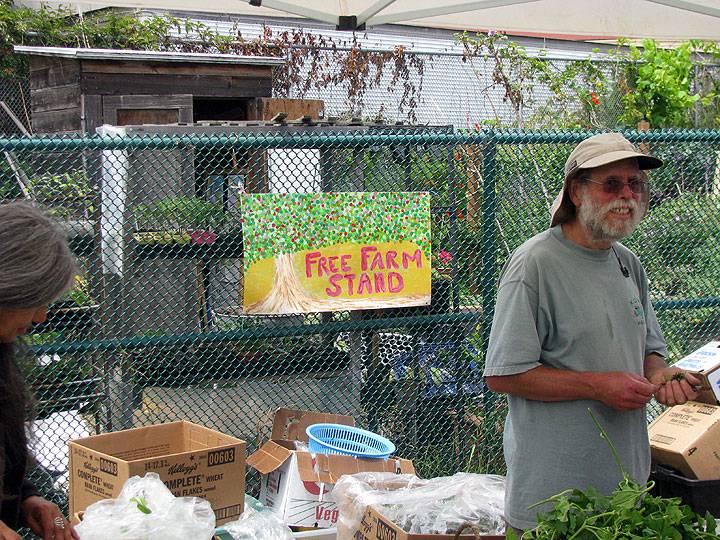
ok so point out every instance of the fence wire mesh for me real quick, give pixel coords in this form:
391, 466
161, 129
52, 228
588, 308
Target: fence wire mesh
155, 330
437, 88
15, 106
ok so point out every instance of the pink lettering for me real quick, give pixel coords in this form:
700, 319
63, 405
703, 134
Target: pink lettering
350, 278
310, 259
390, 257
336, 289
380, 283
365, 253
395, 282
364, 283
415, 257
322, 266
377, 262
331, 261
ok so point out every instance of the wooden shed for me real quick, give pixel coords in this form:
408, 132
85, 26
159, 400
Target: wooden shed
77, 90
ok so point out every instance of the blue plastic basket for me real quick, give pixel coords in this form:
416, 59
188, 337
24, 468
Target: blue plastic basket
351, 441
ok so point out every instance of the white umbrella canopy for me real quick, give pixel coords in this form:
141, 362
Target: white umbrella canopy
592, 20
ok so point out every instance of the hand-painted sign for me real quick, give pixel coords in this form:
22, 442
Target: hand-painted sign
335, 251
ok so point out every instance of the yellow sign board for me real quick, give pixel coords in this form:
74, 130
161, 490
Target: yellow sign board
336, 255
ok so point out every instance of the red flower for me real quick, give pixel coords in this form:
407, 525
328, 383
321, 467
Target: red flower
445, 256
594, 98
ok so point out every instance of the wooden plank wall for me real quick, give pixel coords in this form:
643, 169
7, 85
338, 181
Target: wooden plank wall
122, 77
66, 92
264, 108
55, 94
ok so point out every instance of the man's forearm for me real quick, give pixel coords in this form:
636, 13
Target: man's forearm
620, 390
546, 384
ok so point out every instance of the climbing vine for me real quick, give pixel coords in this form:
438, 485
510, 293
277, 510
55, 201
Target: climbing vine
315, 62
667, 86
660, 84
517, 74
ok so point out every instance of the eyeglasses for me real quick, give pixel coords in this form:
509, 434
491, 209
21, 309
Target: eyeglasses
614, 187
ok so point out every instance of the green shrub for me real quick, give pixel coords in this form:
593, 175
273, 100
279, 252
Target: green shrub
67, 195
179, 213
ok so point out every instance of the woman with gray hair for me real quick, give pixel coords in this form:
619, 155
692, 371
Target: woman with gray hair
36, 266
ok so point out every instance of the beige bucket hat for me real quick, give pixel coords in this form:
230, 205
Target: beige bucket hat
593, 152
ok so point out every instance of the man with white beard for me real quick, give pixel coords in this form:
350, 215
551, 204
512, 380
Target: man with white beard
574, 330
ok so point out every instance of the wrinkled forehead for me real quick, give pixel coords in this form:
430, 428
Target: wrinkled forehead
625, 168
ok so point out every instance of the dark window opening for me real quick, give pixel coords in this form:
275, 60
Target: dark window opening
219, 109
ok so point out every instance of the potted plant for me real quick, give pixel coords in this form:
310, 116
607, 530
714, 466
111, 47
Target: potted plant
73, 312
59, 382
69, 197
62, 383
178, 220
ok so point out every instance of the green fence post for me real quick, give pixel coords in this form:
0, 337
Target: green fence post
489, 263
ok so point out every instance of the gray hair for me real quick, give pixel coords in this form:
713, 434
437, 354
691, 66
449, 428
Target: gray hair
36, 265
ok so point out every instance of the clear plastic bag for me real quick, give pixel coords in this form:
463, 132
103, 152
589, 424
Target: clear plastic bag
433, 506
147, 510
257, 522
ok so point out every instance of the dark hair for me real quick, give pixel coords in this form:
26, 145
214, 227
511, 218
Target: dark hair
16, 408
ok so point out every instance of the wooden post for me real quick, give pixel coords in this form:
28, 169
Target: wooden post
644, 125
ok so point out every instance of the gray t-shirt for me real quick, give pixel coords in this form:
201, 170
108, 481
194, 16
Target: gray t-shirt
564, 306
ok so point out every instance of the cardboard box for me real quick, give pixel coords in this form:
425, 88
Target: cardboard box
687, 438
299, 486
317, 534
705, 363
375, 526
192, 461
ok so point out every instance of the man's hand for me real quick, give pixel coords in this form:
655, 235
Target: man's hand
622, 390
8, 534
675, 386
45, 520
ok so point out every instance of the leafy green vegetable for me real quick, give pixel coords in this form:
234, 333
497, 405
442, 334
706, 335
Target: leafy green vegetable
629, 512
679, 376
141, 504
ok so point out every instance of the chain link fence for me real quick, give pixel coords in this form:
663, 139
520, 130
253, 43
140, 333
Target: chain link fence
463, 90
439, 88
15, 108
155, 331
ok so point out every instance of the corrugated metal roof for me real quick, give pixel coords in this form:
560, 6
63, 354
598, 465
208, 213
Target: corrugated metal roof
387, 37
148, 56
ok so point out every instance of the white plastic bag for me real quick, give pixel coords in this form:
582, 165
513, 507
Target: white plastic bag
147, 510
257, 522
433, 506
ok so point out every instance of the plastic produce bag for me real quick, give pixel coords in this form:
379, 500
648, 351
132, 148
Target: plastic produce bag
257, 522
433, 506
147, 510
